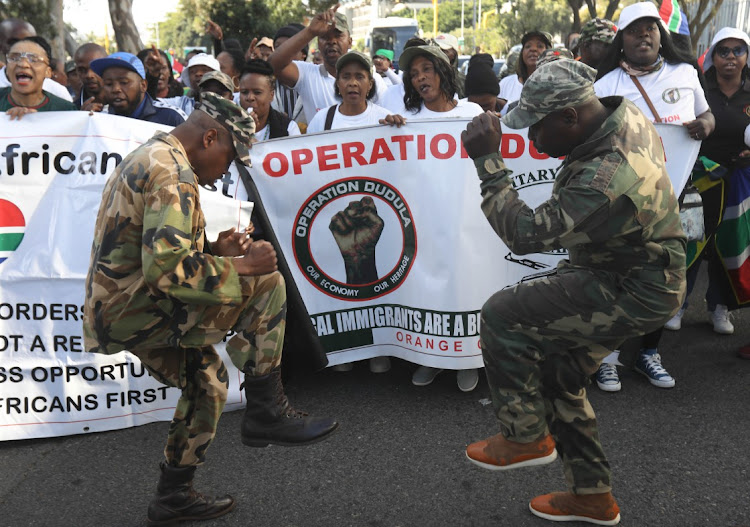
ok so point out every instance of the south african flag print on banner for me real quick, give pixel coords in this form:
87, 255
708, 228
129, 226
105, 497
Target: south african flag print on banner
12, 226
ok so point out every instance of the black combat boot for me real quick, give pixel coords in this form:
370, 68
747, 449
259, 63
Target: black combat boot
269, 418
177, 501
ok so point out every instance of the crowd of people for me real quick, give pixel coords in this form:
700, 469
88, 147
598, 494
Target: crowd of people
277, 88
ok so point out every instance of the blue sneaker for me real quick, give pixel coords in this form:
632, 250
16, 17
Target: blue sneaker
607, 378
649, 364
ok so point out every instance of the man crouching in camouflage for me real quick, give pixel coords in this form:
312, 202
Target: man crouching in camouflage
614, 210
157, 288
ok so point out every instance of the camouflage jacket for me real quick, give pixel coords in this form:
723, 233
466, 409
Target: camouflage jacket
612, 205
147, 258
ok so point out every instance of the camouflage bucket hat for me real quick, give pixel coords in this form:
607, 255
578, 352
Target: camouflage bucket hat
236, 120
550, 55
552, 87
599, 29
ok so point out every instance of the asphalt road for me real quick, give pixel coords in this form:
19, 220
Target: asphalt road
679, 457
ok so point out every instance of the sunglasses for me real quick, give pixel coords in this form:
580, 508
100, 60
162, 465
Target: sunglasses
33, 58
724, 51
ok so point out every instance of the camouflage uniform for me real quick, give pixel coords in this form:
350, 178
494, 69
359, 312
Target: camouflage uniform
613, 208
154, 288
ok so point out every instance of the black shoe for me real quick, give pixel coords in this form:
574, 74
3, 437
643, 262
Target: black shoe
270, 419
177, 501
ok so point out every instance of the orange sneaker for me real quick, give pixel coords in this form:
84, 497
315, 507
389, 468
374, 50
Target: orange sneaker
498, 453
600, 509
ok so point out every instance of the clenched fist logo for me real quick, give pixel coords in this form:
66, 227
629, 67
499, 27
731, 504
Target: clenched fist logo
357, 230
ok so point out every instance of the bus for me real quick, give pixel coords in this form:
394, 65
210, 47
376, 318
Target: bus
391, 33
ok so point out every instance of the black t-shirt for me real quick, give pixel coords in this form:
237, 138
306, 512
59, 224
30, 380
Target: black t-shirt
732, 117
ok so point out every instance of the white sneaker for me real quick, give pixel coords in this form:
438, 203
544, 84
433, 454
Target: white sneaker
347, 366
380, 364
467, 380
675, 322
424, 375
720, 320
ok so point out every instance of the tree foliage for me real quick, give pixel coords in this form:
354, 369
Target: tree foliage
449, 16
528, 15
184, 28
240, 19
36, 12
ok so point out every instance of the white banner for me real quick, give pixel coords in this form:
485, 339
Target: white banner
417, 270
407, 278
53, 168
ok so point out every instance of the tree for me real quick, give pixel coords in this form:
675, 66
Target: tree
184, 28
449, 16
576, 6
528, 15
700, 14
240, 19
126, 34
35, 12
283, 12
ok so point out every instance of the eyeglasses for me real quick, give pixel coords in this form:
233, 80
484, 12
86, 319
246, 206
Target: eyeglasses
737, 51
33, 58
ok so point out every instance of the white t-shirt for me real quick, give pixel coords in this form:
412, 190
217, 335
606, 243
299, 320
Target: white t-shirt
315, 87
371, 115
674, 91
510, 90
463, 108
53, 87
260, 135
393, 99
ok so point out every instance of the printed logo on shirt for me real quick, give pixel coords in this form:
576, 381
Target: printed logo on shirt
671, 95
359, 247
746, 109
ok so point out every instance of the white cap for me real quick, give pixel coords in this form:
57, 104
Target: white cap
204, 59
747, 136
633, 12
446, 41
723, 34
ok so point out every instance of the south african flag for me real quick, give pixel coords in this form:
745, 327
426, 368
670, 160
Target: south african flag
12, 226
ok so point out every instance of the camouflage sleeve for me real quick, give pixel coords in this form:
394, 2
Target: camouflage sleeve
172, 265
563, 221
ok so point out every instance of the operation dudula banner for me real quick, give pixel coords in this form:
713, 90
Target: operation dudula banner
381, 228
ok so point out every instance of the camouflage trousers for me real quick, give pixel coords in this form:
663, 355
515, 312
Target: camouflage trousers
195, 367
541, 342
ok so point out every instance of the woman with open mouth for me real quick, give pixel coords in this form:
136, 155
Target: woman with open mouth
28, 66
429, 93
533, 43
355, 86
646, 67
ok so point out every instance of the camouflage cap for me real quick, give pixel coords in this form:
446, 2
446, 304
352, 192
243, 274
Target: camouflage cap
599, 29
407, 56
342, 23
541, 35
236, 120
557, 85
353, 56
550, 55
224, 79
